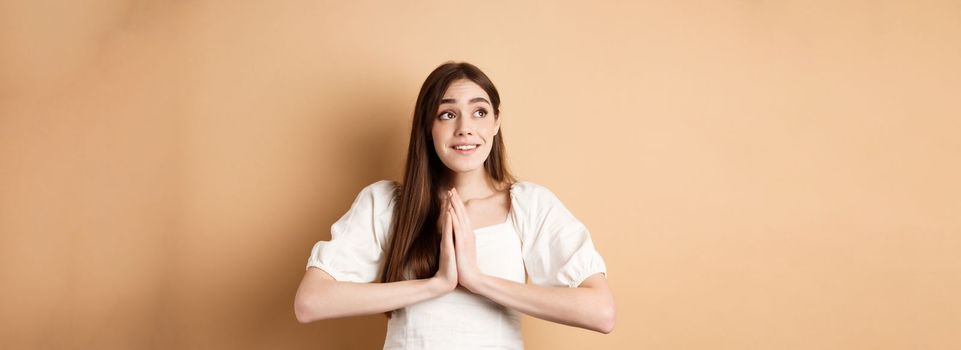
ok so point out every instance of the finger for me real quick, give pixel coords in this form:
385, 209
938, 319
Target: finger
448, 236
448, 226
455, 223
447, 202
460, 209
450, 204
449, 210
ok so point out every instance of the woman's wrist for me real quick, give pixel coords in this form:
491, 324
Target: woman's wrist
436, 286
478, 283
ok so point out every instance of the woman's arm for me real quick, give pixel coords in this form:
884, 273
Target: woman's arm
321, 297
589, 306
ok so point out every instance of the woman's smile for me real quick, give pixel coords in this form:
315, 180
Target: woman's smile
465, 149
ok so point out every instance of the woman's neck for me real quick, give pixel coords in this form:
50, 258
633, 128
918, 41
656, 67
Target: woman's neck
475, 184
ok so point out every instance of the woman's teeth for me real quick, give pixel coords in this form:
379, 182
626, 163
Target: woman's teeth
465, 147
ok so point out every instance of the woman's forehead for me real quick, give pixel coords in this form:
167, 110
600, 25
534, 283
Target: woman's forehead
464, 90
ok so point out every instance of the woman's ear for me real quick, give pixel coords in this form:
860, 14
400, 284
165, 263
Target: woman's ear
497, 125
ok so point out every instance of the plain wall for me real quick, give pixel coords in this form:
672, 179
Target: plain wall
757, 174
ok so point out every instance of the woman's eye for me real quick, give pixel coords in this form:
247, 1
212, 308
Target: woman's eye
480, 113
445, 116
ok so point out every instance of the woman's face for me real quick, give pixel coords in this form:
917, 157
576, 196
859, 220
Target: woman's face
464, 126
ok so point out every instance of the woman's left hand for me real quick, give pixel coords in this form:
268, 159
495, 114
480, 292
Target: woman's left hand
465, 247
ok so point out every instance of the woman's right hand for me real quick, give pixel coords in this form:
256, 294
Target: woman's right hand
446, 275
320, 296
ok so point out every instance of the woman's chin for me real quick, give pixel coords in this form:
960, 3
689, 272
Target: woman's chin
461, 168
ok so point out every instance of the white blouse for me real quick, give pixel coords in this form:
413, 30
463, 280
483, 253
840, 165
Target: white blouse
540, 240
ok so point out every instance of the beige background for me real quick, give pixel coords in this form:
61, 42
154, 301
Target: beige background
757, 174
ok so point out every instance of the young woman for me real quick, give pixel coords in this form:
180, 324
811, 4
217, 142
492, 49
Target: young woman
447, 252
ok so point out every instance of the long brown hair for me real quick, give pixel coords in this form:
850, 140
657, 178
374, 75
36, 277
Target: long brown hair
414, 247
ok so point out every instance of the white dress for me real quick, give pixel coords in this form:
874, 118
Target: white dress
541, 241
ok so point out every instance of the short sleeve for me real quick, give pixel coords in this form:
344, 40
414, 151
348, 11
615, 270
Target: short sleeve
356, 247
557, 247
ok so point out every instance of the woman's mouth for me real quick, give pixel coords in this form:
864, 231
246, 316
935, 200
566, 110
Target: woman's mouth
465, 149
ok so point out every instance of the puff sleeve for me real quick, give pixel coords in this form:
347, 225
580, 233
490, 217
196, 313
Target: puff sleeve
358, 239
557, 247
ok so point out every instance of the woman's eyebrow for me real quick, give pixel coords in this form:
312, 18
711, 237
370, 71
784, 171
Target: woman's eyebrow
473, 100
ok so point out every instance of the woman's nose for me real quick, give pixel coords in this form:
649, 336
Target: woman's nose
465, 127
